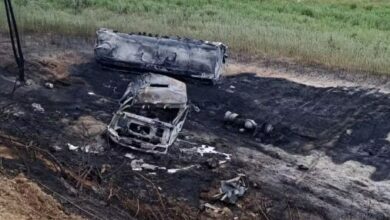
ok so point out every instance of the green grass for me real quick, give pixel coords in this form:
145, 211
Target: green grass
351, 34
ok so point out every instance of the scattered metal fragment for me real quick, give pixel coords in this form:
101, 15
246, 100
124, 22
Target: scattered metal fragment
204, 149
29, 82
172, 171
211, 150
130, 155
232, 189
49, 85
152, 167
72, 147
136, 165
221, 162
165, 55
38, 108
94, 146
139, 165
147, 166
94, 149
55, 148
152, 113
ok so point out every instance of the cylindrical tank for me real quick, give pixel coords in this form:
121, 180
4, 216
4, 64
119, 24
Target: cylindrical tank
182, 57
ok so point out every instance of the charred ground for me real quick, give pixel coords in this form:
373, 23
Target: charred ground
346, 125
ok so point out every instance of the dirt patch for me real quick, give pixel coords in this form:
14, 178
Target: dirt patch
7, 153
55, 67
52, 66
86, 126
22, 199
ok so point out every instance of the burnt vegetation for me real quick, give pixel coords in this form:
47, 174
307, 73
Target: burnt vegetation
103, 185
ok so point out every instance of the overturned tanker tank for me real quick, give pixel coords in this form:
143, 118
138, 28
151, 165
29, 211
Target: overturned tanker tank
181, 57
152, 113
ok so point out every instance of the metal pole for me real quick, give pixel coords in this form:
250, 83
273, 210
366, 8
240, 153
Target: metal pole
15, 40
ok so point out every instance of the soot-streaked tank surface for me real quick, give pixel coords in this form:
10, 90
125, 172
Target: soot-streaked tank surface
175, 56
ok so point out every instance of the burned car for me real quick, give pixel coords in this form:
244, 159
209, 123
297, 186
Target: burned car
151, 115
181, 57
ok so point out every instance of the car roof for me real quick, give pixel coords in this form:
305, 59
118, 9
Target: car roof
160, 89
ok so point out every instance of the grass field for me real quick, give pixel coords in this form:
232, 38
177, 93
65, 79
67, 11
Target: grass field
351, 34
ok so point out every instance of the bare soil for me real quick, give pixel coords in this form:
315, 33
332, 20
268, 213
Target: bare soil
327, 157
22, 199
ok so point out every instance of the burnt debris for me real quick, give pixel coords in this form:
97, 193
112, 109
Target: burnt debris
311, 124
247, 125
151, 115
181, 57
154, 108
232, 189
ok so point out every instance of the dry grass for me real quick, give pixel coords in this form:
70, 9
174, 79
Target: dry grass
22, 199
352, 34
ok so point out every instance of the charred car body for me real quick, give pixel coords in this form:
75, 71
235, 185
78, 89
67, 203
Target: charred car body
152, 113
181, 57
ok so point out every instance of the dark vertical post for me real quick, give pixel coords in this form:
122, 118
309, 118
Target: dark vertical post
15, 40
